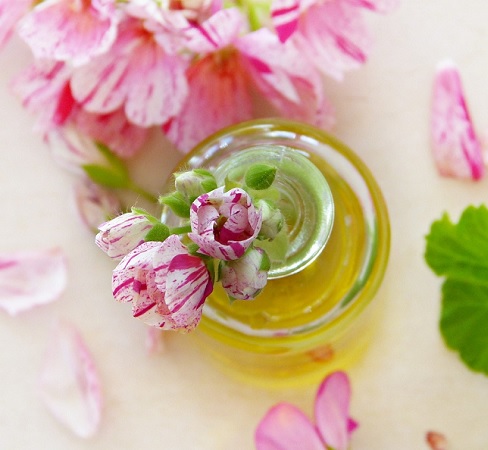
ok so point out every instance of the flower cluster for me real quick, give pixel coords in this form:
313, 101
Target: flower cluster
111, 69
167, 273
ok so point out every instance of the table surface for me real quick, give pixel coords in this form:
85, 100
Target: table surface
407, 382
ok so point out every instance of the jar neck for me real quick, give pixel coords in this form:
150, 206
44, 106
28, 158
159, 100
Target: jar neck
304, 199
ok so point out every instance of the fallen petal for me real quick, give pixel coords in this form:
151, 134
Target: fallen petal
285, 427
332, 411
455, 145
69, 383
31, 278
436, 441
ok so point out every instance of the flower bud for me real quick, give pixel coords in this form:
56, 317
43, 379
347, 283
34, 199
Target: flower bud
194, 183
121, 235
244, 278
272, 220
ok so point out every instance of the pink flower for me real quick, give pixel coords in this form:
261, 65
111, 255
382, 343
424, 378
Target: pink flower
224, 224
10, 13
31, 278
331, 34
244, 278
232, 64
285, 427
138, 75
69, 384
121, 235
455, 145
165, 284
70, 30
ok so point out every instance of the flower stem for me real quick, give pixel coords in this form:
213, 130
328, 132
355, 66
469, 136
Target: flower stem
142, 192
180, 230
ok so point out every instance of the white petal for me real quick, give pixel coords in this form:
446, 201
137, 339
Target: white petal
31, 278
69, 383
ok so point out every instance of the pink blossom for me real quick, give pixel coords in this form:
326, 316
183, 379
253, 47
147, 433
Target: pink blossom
138, 74
233, 62
244, 278
121, 235
31, 278
10, 13
285, 427
455, 145
165, 284
94, 204
224, 224
332, 34
69, 384
70, 30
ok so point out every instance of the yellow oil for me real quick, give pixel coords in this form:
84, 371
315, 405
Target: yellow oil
289, 358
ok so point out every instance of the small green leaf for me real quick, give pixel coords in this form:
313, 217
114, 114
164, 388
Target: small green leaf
260, 176
265, 262
178, 204
158, 232
147, 215
113, 160
106, 176
460, 253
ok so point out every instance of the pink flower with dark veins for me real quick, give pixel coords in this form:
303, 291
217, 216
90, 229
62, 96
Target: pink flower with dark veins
70, 30
331, 34
139, 75
233, 62
166, 286
224, 224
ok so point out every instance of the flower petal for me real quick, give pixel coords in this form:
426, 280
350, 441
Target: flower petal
284, 16
332, 411
69, 383
94, 204
436, 441
455, 145
285, 427
10, 13
31, 278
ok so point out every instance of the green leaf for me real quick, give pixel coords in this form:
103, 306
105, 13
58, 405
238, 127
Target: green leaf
178, 204
147, 215
158, 232
460, 253
464, 319
260, 176
106, 176
113, 160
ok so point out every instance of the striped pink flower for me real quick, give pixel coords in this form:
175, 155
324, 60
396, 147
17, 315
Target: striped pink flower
70, 30
224, 224
121, 235
166, 286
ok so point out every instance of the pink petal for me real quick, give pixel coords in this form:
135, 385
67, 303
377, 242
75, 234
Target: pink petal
455, 145
332, 410
154, 340
381, 6
69, 383
436, 441
284, 16
219, 87
69, 30
94, 204
10, 13
31, 278
285, 427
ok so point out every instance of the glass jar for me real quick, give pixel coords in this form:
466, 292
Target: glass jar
315, 314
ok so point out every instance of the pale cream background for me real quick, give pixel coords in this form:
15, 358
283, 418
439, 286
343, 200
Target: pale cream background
407, 383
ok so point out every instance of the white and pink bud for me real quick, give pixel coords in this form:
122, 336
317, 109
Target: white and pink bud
244, 278
121, 235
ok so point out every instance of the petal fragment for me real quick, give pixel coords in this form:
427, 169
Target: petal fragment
31, 278
69, 383
455, 145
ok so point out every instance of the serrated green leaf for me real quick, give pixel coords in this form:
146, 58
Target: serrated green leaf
463, 323
460, 250
460, 253
158, 232
106, 176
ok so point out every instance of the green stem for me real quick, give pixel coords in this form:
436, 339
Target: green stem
142, 192
180, 230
